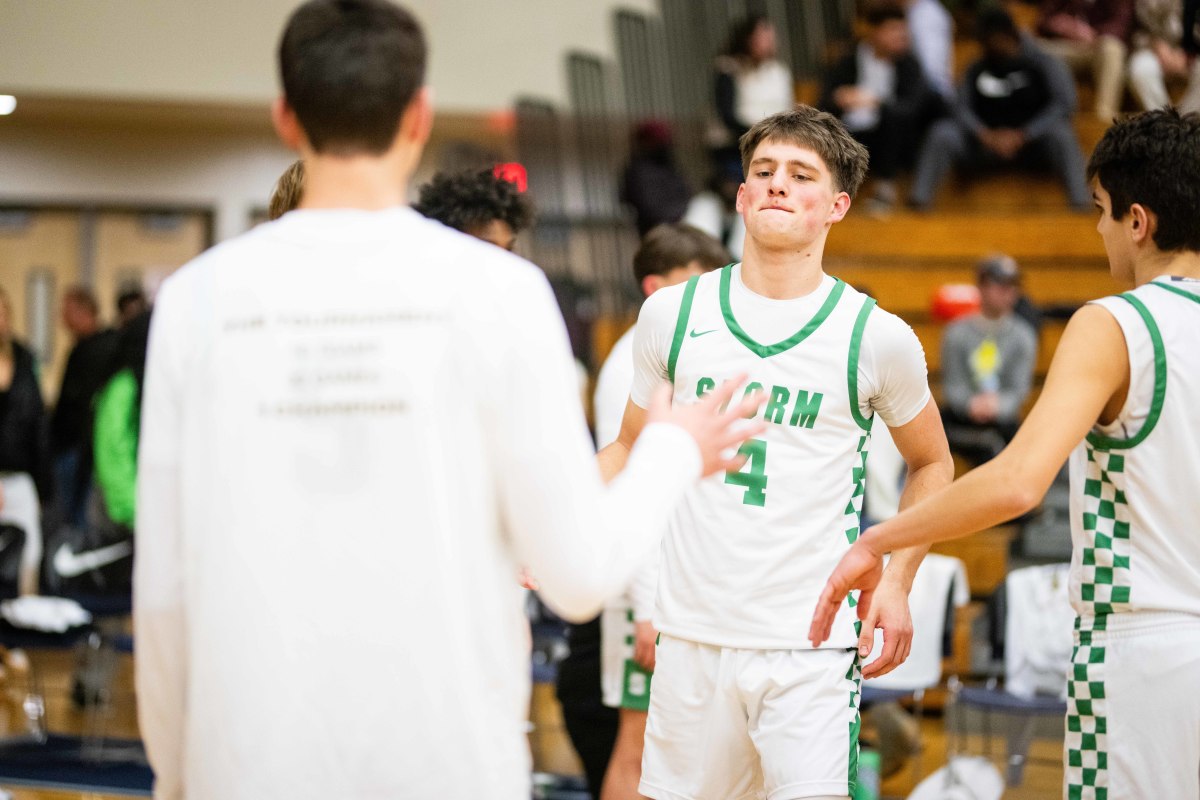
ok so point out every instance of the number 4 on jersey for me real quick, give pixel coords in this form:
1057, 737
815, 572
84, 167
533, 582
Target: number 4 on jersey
754, 475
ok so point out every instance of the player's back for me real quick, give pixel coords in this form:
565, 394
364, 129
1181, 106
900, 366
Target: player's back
1134, 498
352, 601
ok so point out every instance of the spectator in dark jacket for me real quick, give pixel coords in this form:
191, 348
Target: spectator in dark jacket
879, 92
1091, 35
1014, 107
70, 430
652, 184
26, 481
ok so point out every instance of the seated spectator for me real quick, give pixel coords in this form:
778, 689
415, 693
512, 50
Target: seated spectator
751, 83
931, 29
479, 203
26, 481
1091, 34
1014, 108
1159, 54
987, 365
879, 93
652, 184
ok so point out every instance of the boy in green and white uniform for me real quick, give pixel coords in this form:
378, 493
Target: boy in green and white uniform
742, 705
1119, 400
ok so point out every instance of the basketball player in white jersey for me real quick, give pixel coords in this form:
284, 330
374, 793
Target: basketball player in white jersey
356, 423
669, 254
742, 705
1120, 401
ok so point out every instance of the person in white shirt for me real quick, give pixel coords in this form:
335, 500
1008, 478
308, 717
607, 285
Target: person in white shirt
1119, 402
356, 423
750, 83
669, 255
741, 703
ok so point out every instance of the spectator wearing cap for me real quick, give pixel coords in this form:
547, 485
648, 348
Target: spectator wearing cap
987, 365
652, 184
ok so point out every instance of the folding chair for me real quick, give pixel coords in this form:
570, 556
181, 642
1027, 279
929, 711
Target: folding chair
1038, 624
939, 587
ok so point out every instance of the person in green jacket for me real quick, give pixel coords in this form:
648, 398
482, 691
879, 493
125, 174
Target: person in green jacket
117, 410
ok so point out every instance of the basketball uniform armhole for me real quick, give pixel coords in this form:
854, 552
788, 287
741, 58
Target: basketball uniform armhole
860, 325
685, 311
1103, 442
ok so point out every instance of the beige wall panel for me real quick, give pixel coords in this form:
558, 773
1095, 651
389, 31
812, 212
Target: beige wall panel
128, 249
50, 242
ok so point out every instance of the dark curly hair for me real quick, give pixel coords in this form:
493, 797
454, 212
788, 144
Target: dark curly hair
469, 200
1153, 159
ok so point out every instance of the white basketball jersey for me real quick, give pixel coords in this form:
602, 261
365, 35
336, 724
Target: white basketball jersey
1135, 484
748, 553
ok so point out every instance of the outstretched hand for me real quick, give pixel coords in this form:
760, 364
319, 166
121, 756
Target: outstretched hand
861, 568
718, 425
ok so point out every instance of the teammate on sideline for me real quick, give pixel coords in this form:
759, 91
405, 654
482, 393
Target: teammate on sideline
741, 702
478, 202
669, 255
355, 423
1120, 402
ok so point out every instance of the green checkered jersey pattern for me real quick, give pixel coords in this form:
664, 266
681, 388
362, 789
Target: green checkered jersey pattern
1135, 499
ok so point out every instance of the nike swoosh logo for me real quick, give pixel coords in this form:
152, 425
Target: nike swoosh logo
72, 565
693, 334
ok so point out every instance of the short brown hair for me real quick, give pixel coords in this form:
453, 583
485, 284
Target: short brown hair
823, 133
288, 189
669, 246
349, 70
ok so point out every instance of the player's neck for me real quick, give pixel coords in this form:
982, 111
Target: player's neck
369, 183
1183, 264
782, 274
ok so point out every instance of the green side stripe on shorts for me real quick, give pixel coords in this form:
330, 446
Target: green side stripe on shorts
855, 674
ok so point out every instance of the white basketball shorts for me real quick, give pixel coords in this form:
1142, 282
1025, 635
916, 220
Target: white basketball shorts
727, 724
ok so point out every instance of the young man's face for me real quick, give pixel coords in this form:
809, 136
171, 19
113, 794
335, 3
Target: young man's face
788, 198
1115, 235
497, 232
998, 298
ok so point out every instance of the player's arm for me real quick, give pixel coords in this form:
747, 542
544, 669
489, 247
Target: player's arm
583, 542
1089, 375
922, 444
651, 349
613, 457
159, 619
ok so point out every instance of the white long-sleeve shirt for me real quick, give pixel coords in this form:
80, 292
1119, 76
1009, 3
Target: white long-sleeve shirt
608, 406
355, 426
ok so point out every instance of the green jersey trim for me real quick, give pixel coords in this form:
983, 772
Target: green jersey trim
763, 350
860, 324
1176, 290
854, 675
685, 311
1160, 385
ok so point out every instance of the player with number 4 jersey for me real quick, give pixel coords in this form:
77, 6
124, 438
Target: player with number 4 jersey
743, 706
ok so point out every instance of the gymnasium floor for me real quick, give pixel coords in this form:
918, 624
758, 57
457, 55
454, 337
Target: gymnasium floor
1043, 775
